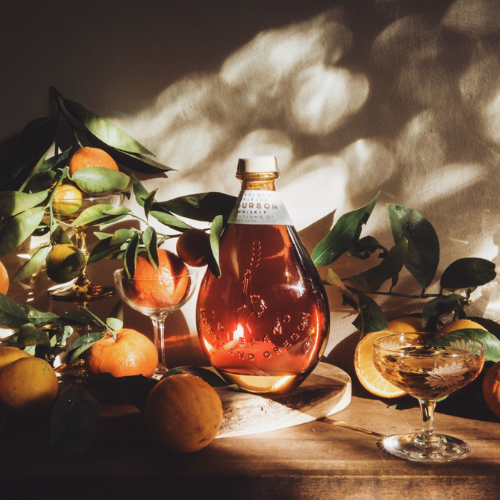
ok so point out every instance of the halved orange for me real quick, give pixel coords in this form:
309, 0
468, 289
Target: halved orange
370, 378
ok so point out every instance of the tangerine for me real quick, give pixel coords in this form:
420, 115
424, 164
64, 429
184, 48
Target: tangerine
10, 354
88, 157
491, 388
28, 387
164, 287
407, 324
64, 262
129, 353
183, 413
67, 199
4, 279
461, 324
193, 247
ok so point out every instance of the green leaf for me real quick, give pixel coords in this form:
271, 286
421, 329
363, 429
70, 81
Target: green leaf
347, 296
490, 342
201, 207
34, 142
120, 236
422, 258
15, 202
148, 202
207, 375
150, 239
130, 259
56, 160
95, 216
76, 318
103, 129
115, 317
468, 273
438, 306
215, 236
364, 247
80, 345
169, 220
140, 191
371, 317
39, 318
492, 326
342, 236
41, 181
103, 236
102, 250
31, 336
137, 162
32, 265
73, 421
19, 228
100, 181
372, 279
59, 235
117, 211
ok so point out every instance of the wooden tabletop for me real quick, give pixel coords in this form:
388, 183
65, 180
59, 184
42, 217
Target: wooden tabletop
309, 461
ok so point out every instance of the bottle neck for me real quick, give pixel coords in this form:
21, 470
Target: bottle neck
260, 181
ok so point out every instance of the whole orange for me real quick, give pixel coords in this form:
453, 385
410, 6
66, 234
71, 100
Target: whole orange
28, 387
491, 388
183, 413
193, 247
4, 279
129, 353
10, 354
163, 287
91, 157
67, 199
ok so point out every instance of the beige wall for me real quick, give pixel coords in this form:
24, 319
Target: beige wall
353, 98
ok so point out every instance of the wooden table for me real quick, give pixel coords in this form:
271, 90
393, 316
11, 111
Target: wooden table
309, 461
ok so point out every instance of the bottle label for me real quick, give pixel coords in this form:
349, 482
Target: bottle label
260, 207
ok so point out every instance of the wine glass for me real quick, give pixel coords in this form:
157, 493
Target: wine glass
82, 291
428, 366
162, 298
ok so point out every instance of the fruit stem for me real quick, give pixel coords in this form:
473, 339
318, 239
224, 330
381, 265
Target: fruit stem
98, 321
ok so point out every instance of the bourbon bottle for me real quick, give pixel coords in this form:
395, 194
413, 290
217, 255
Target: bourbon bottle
264, 323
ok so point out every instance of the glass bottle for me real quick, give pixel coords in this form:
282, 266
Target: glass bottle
264, 323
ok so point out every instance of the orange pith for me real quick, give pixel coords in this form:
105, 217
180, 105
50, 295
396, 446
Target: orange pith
91, 157
130, 353
165, 287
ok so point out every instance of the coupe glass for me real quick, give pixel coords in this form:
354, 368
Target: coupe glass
162, 298
82, 291
428, 366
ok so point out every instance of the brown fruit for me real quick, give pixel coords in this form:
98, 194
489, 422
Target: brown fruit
165, 287
193, 247
130, 353
28, 387
183, 413
91, 157
4, 279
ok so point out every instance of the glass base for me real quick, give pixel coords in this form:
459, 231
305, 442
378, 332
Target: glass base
159, 372
412, 447
82, 295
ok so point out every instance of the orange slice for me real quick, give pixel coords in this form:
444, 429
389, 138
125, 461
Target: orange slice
367, 374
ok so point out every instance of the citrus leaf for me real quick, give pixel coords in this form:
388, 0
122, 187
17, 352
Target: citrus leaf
490, 342
34, 142
342, 236
363, 248
103, 129
137, 162
102, 236
31, 336
15, 202
207, 375
76, 318
422, 258
115, 317
130, 259
492, 326
169, 220
347, 296
215, 235
371, 317
117, 211
468, 273
102, 250
39, 318
33, 264
372, 279
19, 228
140, 191
120, 236
100, 181
73, 421
95, 216
80, 345
150, 240
201, 207
148, 202
438, 306
59, 235
41, 181
54, 161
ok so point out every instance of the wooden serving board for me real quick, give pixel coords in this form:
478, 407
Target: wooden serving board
326, 391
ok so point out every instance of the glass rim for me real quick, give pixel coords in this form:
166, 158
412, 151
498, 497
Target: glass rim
377, 342
191, 271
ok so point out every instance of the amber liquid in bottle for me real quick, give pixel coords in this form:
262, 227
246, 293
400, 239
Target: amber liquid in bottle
264, 324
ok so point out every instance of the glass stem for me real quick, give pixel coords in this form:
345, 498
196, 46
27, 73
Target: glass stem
80, 242
159, 341
427, 436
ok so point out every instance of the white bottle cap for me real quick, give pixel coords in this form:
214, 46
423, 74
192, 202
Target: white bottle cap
257, 165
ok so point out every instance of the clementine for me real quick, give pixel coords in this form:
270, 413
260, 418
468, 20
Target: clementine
183, 413
4, 279
164, 287
129, 353
491, 388
193, 247
460, 324
91, 157
67, 199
